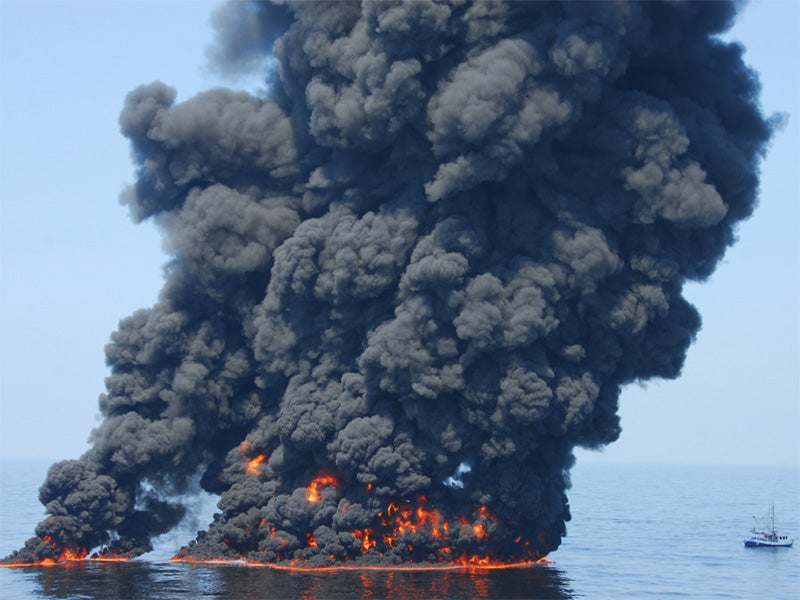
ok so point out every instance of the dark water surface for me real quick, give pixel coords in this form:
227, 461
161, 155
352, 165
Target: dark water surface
156, 581
638, 531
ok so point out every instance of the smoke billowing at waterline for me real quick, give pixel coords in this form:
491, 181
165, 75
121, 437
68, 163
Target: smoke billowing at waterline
410, 278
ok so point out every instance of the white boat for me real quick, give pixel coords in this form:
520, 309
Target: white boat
764, 534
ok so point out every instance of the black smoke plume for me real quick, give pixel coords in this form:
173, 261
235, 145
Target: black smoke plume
408, 279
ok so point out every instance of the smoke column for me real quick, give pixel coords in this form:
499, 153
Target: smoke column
413, 275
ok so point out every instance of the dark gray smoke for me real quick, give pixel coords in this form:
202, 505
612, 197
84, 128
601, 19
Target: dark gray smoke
411, 278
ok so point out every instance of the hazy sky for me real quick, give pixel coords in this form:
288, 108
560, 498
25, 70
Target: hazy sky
72, 263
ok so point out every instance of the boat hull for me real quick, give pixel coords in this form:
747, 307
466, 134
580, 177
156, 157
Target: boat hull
763, 544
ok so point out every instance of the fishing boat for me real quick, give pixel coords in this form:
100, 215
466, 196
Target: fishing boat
764, 534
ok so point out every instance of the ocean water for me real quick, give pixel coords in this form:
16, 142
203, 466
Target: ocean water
638, 531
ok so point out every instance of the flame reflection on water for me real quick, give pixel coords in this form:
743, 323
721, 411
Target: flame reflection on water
157, 580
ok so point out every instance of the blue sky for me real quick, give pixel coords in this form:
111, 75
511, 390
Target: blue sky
72, 263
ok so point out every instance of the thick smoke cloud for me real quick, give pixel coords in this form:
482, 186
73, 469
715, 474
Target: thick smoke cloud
413, 276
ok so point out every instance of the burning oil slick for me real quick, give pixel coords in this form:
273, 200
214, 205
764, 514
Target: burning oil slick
408, 280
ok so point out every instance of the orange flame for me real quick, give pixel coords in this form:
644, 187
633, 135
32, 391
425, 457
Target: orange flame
410, 517
253, 465
67, 556
481, 563
323, 480
111, 557
366, 542
395, 531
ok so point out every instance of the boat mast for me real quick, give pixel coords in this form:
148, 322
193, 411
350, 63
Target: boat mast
772, 515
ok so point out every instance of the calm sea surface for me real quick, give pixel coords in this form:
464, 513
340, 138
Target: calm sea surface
638, 531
